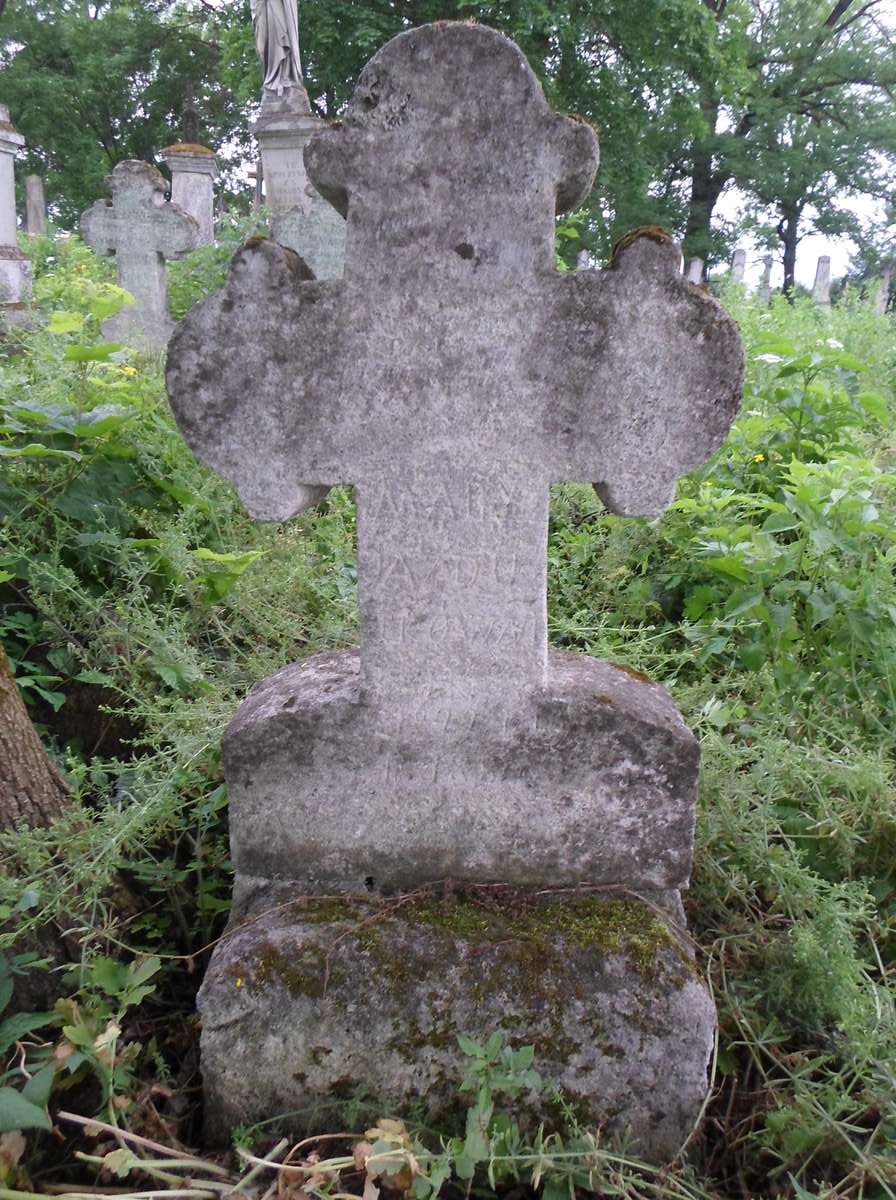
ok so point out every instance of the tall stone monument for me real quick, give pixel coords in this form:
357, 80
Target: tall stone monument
300, 217
35, 205
738, 265
455, 829
141, 230
15, 269
821, 289
765, 283
193, 173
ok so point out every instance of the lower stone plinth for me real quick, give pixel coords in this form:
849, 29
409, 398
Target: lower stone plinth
315, 1005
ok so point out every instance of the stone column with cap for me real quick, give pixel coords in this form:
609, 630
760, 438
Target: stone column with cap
193, 173
15, 269
300, 217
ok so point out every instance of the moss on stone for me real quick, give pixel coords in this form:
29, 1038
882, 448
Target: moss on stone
304, 975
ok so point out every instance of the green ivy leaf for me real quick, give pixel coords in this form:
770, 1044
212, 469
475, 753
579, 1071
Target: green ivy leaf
101, 352
65, 322
18, 1113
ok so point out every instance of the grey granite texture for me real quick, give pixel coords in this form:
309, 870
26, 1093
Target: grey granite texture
309, 1009
141, 230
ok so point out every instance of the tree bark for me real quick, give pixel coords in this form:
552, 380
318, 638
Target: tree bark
31, 789
789, 232
707, 184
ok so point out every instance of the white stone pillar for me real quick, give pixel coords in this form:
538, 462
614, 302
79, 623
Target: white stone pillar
15, 269
821, 291
765, 283
695, 270
35, 205
738, 266
193, 173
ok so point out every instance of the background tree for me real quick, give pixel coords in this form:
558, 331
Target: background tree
31, 788
797, 73
90, 85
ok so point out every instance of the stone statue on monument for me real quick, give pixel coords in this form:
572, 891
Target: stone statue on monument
276, 27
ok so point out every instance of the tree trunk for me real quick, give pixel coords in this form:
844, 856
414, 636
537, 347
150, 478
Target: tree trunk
707, 184
789, 232
31, 789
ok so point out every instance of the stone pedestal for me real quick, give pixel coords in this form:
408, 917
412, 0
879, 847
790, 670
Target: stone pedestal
15, 269
35, 205
300, 217
193, 174
326, 1001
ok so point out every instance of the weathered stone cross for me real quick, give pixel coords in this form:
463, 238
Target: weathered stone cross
141, 230
451, 377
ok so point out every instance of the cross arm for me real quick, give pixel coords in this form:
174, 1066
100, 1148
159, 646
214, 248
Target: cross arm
644, 371
260, 414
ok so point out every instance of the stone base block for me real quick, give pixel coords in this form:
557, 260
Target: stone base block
330, 1001
591, 779
15, 277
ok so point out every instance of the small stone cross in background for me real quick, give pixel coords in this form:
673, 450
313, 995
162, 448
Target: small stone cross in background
141, 230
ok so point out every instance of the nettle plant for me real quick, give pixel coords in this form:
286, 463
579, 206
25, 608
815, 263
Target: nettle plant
789, 553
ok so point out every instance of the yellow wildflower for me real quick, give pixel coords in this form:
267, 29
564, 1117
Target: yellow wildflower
758, 458
239, 982
129, 370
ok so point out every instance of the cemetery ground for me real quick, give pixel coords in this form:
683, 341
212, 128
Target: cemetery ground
138, 604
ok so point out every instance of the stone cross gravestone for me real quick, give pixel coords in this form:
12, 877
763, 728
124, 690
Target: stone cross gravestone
141, 230
193, 173
451, 377
15, 269
821, 289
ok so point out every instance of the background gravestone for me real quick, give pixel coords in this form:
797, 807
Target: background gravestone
35, 205
451, 377
15, 269
738, 266
193, 174
141, 230
821, 289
